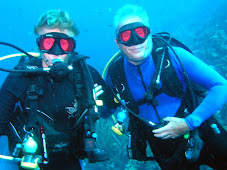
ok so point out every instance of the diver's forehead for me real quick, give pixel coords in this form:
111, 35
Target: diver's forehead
129, 20
45, 30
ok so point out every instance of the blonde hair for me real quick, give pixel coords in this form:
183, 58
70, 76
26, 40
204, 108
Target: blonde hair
130, 10
56, 19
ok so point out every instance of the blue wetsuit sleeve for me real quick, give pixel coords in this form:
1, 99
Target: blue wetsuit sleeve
203, 75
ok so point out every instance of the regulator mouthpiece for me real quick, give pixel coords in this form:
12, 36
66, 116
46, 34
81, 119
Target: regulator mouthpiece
119, 127
59, 70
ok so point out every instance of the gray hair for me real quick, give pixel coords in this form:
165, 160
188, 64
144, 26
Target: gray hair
130, 10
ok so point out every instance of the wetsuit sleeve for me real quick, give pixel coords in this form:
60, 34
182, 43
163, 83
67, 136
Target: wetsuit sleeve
203, 75
10, 93
107, 97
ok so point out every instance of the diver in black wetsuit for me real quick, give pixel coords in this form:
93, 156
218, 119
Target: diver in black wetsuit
46, 110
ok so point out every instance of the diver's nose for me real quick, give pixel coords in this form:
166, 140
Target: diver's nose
57, 50
136, 39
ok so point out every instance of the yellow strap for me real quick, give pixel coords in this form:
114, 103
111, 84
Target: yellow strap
104, 76
6, 157
99, 102
114, 119
107, 65
19, 55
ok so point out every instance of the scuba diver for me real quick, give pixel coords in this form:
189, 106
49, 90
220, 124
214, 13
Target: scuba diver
153, 77
48, 104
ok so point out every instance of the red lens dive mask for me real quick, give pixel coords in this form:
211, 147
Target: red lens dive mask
133, 34
56, 43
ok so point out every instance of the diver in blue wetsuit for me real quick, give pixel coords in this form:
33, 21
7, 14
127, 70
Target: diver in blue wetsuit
156, 82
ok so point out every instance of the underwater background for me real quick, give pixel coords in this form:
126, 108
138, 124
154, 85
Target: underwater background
199, 24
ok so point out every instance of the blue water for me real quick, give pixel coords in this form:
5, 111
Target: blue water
94, 19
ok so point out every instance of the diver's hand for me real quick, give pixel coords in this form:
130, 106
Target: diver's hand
175, 128
97, 90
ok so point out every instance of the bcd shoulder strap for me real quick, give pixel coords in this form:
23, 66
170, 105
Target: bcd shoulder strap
118, 80
171, 84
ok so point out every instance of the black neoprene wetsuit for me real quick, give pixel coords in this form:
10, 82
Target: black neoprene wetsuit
59, 100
